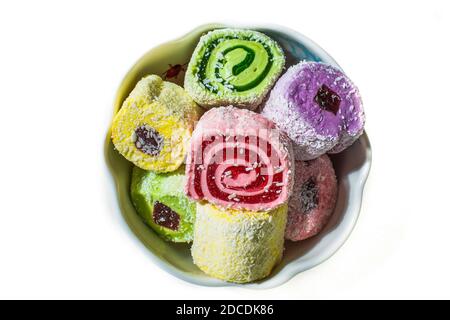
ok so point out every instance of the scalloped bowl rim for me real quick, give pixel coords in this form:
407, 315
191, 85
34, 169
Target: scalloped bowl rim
289, 271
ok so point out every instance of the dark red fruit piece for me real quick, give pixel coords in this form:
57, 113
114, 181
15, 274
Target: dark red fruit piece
327, 99
308, 195
148, 140
165, 217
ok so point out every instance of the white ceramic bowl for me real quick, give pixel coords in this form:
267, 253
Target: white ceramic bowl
352, 168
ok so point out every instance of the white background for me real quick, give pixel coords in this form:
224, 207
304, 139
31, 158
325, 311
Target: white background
60, 64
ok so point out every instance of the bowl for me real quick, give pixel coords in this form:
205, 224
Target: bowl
352, 167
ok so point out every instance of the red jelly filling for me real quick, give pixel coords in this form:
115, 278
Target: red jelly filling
252, 177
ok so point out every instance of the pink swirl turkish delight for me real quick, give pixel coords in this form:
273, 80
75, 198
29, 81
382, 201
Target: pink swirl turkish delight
239, 160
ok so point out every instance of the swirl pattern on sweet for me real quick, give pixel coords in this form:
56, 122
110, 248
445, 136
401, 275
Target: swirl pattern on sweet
231, 66
238, 159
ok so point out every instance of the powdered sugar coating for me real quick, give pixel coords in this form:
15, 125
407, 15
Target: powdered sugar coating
313, 129
313, 199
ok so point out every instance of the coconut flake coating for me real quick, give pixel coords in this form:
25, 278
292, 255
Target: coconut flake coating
159, 199
239, 160
233, 66
238, 245
154, 125
313, 199
318, 107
